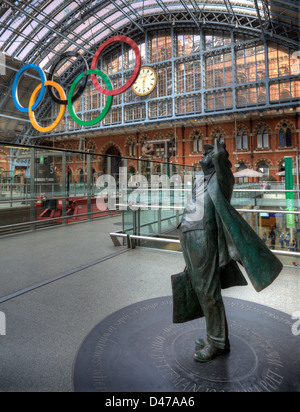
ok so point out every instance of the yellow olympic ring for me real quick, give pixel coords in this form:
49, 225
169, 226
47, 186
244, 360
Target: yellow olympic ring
62, 96
63, 101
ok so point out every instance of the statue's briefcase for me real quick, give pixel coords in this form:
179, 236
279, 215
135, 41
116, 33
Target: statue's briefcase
186, 305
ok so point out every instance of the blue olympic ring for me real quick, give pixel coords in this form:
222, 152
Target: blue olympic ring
16, 83
63, 100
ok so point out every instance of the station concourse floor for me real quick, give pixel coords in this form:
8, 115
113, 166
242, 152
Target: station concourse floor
58, 284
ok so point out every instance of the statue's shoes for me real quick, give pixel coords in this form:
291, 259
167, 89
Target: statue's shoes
209, 352
201, 342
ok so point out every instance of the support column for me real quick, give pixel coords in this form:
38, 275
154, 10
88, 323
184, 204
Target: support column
89, 185
64, 186
32, 187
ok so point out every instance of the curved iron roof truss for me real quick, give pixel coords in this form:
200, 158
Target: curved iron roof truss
37, 31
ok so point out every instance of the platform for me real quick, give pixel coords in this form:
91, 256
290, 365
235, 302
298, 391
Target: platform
139, 349
55, 290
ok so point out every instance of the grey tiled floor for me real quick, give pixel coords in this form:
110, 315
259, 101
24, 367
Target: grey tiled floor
46, 325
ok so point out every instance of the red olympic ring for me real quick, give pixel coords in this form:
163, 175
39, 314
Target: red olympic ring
62, 101
136, 70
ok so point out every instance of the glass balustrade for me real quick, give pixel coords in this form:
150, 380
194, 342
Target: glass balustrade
42, 187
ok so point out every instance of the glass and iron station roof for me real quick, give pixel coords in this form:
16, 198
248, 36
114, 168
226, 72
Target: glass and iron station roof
201, 51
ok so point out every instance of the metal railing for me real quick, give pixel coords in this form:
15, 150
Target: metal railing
157, 226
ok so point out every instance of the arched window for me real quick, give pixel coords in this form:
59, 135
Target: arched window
242, 166
131, 147
197, 146
263, 167
285, 136
288, 137
241, 139
218, 134
262, 138
131, 170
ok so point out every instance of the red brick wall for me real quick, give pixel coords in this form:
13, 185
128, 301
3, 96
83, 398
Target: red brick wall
272, 156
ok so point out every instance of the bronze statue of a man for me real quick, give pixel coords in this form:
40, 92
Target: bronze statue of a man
214, 237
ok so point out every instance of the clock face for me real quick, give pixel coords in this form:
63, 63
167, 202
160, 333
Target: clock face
145, 82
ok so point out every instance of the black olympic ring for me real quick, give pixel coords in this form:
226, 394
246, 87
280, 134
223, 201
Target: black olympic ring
82, 83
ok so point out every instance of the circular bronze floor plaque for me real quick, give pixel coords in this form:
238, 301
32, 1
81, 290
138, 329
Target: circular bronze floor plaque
139, 349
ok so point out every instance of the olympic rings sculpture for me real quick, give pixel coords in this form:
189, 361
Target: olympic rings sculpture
79, 83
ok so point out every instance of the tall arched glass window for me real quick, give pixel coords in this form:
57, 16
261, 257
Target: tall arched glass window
218, 135
288, 137
241, 140
131, 148
197, 146
281, 138
285, 136
262, 139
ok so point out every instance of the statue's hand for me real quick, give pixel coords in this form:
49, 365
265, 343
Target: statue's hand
219, 149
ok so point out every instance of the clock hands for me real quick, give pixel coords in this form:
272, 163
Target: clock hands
144, 79
146, 82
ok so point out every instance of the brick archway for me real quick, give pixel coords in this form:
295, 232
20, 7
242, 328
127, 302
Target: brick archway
246, 162
110, 144
261, 125
289, 124
263, 159
217, 130
241, 126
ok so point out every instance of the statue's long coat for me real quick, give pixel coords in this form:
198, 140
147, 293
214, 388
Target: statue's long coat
237, 241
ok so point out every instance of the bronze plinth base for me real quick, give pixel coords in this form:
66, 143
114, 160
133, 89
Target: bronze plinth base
139, 349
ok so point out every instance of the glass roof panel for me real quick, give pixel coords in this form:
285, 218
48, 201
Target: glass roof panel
83, 27
25, 51
90, 18
35, 31
100, 36
15, 45
5, 16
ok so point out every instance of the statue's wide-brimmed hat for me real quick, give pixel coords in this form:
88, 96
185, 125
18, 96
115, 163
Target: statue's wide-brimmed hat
208, 147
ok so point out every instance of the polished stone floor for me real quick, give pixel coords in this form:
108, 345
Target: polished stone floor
58, 284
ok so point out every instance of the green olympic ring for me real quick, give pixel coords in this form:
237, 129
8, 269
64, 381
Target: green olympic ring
63, 101
107, 105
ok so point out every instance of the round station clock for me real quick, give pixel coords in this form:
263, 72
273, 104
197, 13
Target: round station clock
145, 82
